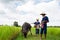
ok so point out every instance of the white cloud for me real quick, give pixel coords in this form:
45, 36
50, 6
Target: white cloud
51, 8
2, 7
15, 12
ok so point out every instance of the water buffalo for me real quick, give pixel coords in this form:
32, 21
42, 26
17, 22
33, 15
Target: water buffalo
26, 27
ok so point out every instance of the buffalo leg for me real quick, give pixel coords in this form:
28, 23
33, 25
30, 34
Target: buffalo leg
30, 32
25, 35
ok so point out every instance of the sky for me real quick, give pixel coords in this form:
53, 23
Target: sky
28, 11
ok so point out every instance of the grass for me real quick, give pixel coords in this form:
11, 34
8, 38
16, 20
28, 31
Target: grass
7, 32
52, 34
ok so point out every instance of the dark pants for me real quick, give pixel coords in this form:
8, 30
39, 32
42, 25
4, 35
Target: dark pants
43, 30
37, 31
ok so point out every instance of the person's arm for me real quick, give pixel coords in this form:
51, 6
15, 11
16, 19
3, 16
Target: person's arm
33, 23
45, 20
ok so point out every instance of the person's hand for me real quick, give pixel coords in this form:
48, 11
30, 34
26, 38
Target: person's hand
32, 23
41, 25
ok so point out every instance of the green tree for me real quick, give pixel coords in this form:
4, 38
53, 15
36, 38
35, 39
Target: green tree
16, 23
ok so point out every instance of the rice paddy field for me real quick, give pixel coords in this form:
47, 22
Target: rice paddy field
14, 33
8, 32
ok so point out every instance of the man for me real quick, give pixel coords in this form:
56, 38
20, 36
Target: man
44, 22
36, 25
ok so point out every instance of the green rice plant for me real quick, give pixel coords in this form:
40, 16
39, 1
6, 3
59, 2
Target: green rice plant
8, 33
52, 34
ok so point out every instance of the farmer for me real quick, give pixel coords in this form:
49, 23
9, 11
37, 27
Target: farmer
44, 22
37, 25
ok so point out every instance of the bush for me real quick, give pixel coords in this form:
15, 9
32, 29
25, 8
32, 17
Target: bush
16, 23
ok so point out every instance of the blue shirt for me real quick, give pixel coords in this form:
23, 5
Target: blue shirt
37, 23
45, 19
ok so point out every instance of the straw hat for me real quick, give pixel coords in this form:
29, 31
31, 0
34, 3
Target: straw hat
42, 14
